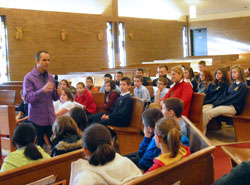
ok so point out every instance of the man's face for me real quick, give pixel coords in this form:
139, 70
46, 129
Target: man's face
139, 73
202, 67
43, 62
118, 77
124, 86
137, 82
162, 71
106, 79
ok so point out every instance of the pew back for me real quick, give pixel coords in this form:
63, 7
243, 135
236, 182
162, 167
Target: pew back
196, 169
99, 100
59, 166
16, 88
7, 97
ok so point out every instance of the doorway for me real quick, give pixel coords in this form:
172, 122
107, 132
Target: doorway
198, 41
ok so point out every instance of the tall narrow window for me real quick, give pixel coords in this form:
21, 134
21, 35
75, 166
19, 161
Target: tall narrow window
110, 42
3, 51
184, 41
122, 50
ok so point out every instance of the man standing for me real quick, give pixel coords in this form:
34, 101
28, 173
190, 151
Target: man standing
39, 92
162, 72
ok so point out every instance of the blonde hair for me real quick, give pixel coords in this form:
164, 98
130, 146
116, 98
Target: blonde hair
169, 130
178, 69
240, 71
65, 126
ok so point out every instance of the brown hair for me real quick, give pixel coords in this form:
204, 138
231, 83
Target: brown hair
164, 80
190, 71
202, 62
140, 77
68, 93
208, 77
174, 104
67, 83
80, 83
178, 69
127, 80
224, 74
64, 126
163, 66
240, 71
151, 116
89, 78
169, 130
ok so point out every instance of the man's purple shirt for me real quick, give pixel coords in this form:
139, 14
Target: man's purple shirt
40, 109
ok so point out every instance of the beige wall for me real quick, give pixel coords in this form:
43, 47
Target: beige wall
226, 36
82, 51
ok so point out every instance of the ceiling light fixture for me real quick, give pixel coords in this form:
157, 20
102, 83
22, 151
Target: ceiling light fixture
192, 11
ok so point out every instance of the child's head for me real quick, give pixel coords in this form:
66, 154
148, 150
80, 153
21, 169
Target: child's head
206, 76
176, 73
63, 127
150, 117
220, 75
202, 66
80, 87
64, 84
80, 117
124, 85
162, 83
89, 82
110, 85
138, 80
97, 145
188, 73
66, 95
162, 70
139, 71
167, 133
172, 107
25, 136
119, 75
237, 74
107, 77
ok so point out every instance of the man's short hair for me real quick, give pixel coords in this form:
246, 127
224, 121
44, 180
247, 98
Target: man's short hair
174, 104
89, 78
140, 77
163, 66
202, 62
119, 72
140, 69
108, 76
164, 80
127, 80
151, 116
37, 56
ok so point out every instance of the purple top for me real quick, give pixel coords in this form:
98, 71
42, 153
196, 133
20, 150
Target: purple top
40, 109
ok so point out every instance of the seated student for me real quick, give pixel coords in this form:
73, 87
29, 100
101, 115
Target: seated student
110, 96
65, 84
247, 72
180, 89
65, 103
140, 91
233, 98
121, 114
66, 136
119, 76
84, 97
90, 84
189, 77
23, 110
145, 80
162, 72
238, 175
161, 89
27, 152
80, 117
205, 79
168, 139
106, 77
103, 165
202, 67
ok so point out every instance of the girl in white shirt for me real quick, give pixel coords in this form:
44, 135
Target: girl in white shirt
65, 103
104, 166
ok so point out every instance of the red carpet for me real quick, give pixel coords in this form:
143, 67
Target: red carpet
222, 163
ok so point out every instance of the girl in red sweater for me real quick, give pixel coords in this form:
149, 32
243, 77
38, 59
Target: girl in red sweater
180, 89
84, 97
168, 139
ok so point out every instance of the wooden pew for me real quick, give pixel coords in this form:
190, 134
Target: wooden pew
7, 125
99, 100
13, 83
196, 169
7, 97
16, 88
129, 138
59, 166
150, 90
195, 111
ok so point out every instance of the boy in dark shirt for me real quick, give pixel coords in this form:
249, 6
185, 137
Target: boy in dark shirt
23, 110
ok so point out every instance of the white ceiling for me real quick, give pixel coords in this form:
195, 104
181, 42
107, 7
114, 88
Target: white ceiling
163, 9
